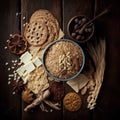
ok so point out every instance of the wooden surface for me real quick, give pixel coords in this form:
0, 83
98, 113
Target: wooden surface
108, 102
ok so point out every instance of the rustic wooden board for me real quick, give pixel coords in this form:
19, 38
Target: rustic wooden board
108, 25
72, 8
10, 105
28, 7
108, 105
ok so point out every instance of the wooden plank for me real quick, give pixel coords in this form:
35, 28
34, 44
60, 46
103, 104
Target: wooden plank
72, 8
108, 105
78, 7
9, 24
27, 8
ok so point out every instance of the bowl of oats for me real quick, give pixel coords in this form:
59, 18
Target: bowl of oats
63, 59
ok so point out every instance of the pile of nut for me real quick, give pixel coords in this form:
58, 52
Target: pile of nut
77, 31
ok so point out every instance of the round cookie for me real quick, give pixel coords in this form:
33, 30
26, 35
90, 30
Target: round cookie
41, 12
45, 16
36, 33
72, 101
53, 33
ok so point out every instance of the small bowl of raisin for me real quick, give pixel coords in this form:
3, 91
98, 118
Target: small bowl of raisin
80, 29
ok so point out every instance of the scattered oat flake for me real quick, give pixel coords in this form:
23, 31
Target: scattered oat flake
7, 41
17, 14
9, 78
15, 61
9, 82
10, 35
13, 93
6, 63
11, 75
12, 67
5, 47
24, 25
8, 69
51, 110
24, 18
14, 64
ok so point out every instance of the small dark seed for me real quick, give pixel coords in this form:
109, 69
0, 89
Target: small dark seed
77, 31
76, 26
76, 20
90, 24
78, 37
79, 22
84, 20
89, 29
82, 37
80, 32
86, 30
73, 34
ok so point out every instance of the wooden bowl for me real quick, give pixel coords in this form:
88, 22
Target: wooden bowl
74, 29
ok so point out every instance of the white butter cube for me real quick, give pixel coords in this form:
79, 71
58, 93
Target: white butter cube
37, 62
20, 70
29, 67
26, 57
78, 83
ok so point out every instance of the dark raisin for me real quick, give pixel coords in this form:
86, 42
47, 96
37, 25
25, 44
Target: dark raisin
76, 26
90, 30
76, 20
80, 32
82, 37
79, 22
78, 37
73, 34
84, 20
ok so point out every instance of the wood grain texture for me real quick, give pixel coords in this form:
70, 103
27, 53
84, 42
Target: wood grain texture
108, 106
27, 9
10, 105
72, 8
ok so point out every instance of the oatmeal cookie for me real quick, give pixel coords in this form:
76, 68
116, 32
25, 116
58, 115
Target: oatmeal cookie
72, 101
45, 15
41, 12
36, 33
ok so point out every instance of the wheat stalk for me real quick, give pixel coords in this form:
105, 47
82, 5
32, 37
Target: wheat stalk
97, 53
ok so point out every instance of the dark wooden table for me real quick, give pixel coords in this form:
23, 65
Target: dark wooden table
108, 102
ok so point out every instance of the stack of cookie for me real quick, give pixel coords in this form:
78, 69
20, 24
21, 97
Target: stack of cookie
42, 29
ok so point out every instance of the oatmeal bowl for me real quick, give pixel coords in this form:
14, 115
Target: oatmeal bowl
63, 59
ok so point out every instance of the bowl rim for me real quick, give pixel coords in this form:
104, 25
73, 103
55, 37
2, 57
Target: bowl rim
54, 77
68, 31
